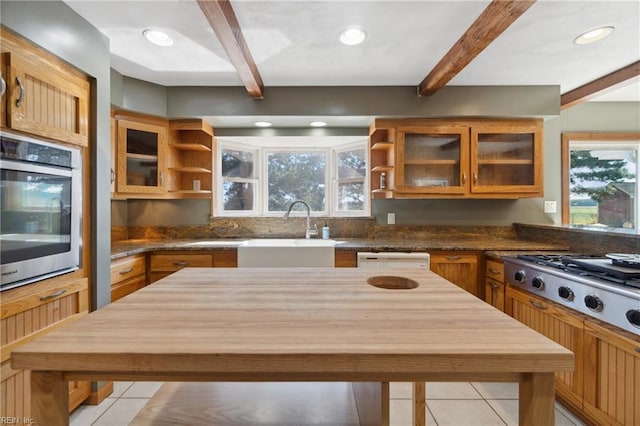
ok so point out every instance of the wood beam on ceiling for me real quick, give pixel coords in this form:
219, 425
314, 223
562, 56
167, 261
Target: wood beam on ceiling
223, 20
598, 87
492, 22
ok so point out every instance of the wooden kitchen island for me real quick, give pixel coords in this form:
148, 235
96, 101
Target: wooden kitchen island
298, 324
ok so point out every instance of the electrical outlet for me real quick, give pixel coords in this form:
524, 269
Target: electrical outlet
391, 218
550, 207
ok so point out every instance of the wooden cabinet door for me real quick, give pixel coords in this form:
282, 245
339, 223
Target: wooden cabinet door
46, 101
461, 268
612, 376
141, 150
432, 160
558, 324
494, 293
507, 159
28, 312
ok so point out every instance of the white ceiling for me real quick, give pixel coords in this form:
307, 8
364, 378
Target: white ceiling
295, 43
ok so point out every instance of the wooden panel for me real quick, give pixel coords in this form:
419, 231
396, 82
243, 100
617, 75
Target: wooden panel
54, 104
346, 259
372, 402
123, 288
174, 262
612, 377
225, 259
461, 268
558, 325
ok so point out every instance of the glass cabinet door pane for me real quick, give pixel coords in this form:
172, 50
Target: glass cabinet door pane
505, 159
142, 158
432, 159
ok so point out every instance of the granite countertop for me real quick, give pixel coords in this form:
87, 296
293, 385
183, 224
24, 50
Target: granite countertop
498, 246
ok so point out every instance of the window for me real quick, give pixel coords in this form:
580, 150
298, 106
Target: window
238, 180
263, 181
600, 180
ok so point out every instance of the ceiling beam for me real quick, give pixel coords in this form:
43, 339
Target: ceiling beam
223, 20
598, 87
490, 24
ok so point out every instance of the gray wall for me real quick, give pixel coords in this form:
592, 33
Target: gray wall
89, 52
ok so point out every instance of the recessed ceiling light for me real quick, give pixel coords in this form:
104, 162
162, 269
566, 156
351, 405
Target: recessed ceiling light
353, 36
317, 124
262, 124
593, 35
158, 38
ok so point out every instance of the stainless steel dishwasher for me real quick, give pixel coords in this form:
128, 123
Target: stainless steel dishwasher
385, 260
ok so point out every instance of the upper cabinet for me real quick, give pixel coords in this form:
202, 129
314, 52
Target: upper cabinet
461, 158
142, 150
158, 158
42, 97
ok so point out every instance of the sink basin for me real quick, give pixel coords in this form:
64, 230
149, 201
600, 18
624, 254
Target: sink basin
286, 252
288, 242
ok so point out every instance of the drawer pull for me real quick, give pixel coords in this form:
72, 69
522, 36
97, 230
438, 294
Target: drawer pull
538, 305
494, 286
53, 295
181, 263
494, 271
454, 257
126, 271
637, 349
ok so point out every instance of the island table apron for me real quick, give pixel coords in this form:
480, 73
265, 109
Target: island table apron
298, 324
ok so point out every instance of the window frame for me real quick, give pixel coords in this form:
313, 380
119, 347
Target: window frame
221, 179
335, 151
597, 139
264, 179
261, 179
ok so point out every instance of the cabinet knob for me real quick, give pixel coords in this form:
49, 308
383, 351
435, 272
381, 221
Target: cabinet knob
464, 178
161, 179
475, 178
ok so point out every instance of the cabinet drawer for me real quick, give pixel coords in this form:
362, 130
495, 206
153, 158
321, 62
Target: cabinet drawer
495, 270
123, 288
173, 262
126, 268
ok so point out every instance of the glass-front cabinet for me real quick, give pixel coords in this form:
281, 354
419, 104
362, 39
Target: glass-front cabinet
506, 159
432, 160
471, 159
142, 151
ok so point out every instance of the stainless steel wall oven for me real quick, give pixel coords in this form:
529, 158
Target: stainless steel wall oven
41, 209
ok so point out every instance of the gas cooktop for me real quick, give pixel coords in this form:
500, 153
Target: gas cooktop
599, 268
592, 285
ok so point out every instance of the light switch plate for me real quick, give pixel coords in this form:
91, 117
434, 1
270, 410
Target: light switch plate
391, 218
550, 207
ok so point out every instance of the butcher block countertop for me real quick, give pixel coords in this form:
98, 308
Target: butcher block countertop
288, 324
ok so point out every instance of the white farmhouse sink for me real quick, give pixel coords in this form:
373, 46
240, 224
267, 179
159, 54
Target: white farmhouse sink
286, 252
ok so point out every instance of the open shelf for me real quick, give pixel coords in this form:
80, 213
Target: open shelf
382, 168
382, 146
190, 147
431, 162
503, 162
145, 157
190, 169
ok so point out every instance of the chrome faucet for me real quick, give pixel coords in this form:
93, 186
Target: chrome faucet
309, 232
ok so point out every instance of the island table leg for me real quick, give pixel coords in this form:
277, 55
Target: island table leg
419, 404
537, 400
49, 398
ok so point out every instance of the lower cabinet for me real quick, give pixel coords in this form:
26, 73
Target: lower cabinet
558, 324
461, 268
345, 259
28, 312
612, 375
494, 283
162, 264
128, 275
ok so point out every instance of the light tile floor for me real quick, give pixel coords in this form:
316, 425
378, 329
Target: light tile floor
448, 404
